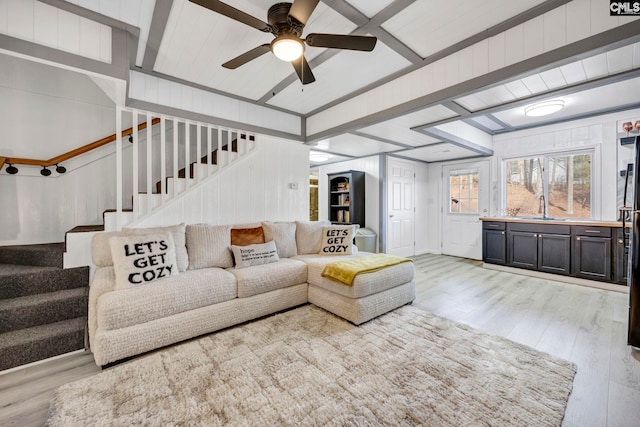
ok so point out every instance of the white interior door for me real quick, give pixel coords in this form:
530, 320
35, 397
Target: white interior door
400, 207
466, 199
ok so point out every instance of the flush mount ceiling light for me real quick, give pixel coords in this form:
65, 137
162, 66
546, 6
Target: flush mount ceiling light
315, 156
287, 47
544, 108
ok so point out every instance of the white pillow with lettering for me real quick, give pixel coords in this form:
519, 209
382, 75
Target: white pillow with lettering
337, 240
142, 259
258, 254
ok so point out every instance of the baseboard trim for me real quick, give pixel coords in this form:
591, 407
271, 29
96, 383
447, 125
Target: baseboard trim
39, 362
559, 278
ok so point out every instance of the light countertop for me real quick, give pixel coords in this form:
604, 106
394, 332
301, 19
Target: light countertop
586, 222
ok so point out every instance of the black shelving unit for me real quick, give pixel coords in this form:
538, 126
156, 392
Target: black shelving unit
346, 198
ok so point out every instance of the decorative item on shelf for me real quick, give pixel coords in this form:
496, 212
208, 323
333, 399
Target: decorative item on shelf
627, 127
512, 211
636, 125
11, 170
346, 216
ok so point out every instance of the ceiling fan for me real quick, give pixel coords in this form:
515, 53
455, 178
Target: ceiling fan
286, 23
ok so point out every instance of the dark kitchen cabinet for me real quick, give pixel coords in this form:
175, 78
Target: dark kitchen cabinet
621, 256
592, 252
543, 251
494, 242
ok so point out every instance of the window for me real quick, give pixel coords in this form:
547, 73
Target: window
558, 185
463, 189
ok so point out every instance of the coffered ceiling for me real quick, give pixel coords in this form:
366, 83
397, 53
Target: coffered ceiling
182, 41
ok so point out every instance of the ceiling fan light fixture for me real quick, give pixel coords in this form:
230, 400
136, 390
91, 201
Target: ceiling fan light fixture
287, 48
544, 108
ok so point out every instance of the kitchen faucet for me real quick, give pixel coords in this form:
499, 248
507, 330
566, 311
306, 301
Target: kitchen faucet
544, 207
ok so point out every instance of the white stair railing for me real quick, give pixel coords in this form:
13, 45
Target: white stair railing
150, 161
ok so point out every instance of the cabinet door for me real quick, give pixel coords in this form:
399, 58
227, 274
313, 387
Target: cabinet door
494, 247
592, 257
554, 253
522, 249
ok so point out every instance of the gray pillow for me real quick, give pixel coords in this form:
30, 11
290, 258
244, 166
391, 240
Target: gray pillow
209, 246
284, 235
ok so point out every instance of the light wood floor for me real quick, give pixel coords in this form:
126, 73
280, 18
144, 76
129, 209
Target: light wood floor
587, 326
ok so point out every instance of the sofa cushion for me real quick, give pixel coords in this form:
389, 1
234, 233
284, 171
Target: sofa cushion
143, 258
247, 236
250, 255
337, 240
209, 246
284, 234
179, 238
309, 236
268, 277
187, 291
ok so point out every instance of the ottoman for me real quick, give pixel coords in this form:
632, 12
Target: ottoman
370, 295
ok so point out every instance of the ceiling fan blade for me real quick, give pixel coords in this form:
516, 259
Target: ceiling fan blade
233, 13
303, 70
340, 41
247, 56
301, 10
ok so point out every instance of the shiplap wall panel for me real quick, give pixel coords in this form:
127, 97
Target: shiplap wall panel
564, 25
254, 189
46, 25
153, 89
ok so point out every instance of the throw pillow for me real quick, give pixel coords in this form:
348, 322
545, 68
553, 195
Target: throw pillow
178, 232
208, 246
143, 258
247, 236
309, 236
337, 240
284, 235
249, 255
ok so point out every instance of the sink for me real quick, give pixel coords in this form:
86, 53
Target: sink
539, 218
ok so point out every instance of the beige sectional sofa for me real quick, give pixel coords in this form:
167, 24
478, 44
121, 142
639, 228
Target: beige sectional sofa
209, 291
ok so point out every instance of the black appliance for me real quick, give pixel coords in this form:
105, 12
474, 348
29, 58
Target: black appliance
633, 336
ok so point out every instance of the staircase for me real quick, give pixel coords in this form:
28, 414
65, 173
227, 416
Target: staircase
43, 307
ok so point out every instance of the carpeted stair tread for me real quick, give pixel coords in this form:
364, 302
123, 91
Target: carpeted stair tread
17, 269
51, 307
41, 342
86, 228
41, 281
44, 255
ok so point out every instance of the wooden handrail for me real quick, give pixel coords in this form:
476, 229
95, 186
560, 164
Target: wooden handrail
75, 152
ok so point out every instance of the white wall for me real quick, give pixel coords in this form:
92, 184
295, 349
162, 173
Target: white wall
257, 188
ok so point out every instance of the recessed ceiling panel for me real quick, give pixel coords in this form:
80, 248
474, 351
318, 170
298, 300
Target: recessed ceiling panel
198, 41
438, 152
355, 145
598, 99
399, 128
428, 26
370, 7
343, 73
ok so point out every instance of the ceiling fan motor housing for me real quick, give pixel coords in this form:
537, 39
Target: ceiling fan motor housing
281, 22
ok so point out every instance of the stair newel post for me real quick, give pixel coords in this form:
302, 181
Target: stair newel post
187, 150
149, 136
209, 139
196, 165
219, 149
119, 113
175, 156
163, 159
134, 164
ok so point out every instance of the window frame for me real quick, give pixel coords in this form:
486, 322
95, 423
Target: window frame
462, 172
545, 155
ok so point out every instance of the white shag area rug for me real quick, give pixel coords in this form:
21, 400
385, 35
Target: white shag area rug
307, 367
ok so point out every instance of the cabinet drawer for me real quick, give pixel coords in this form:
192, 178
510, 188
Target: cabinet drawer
540, 228
493, 225
584, 230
